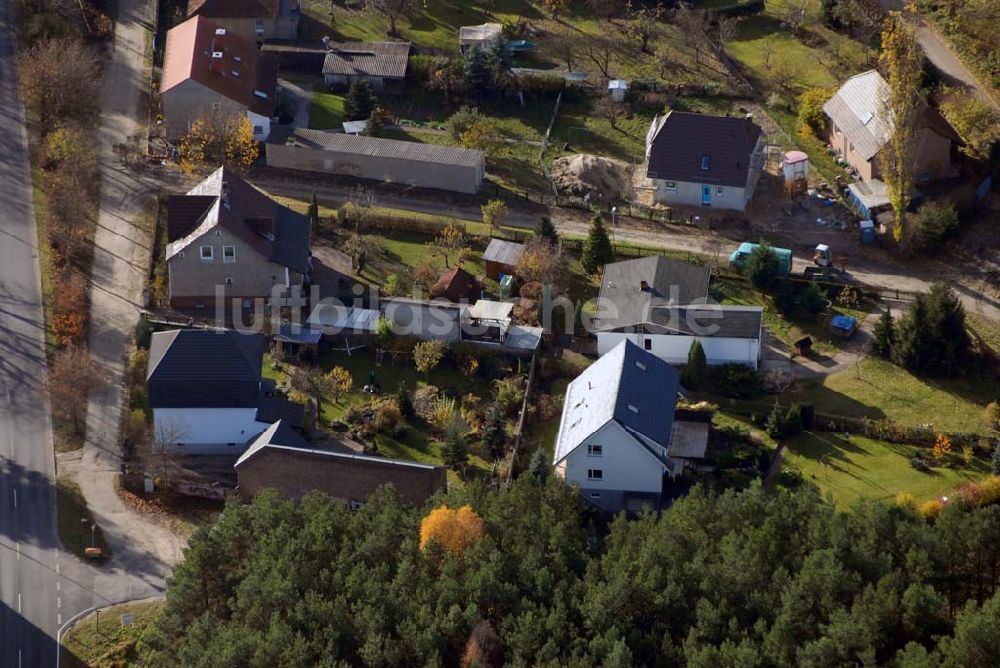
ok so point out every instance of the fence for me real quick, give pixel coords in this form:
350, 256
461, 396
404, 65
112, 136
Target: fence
545, 144
519, 430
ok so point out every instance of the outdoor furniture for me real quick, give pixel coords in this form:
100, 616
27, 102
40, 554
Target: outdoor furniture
803, 346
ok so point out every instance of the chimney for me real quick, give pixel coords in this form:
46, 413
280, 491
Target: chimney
215, 64
644, 286
220, 39
326, 42
225, 194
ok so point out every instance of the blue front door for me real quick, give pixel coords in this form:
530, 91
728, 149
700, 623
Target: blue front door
706, 195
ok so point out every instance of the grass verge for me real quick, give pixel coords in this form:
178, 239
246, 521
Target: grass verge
100, 639
75, 520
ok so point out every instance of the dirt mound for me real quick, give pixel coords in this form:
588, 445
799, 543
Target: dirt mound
581, 174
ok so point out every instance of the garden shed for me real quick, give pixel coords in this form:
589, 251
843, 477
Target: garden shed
502, 257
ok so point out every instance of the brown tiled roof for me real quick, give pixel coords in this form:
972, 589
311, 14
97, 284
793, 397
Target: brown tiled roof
376, 59
456, 285
378, 147
241, 73
275, 231
685, 143
235, 9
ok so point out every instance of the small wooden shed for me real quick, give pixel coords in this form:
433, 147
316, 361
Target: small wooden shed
502, 257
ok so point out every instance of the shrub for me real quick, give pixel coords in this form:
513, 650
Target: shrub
735, 380
992, 414
404, 400
424, 400
442, 412
934, 224
697, 366
930, 510
387, 415
919, 464
793, 421
812, 299
811, 113
460, 122
508, 394
995, 460
906, 500
762, 267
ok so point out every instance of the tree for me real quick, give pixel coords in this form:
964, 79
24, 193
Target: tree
405, 402
610, 110
339, 381
451, 239
164, 461
463, 119
495, 213
391, 10
69, 310
216, 138
546, 230
484, 135
931, 336
902, 61
313, 212
359, 247
697, 366
597, 249
312, 382
762, 267
883, 336
455, 450
641, 22
60, 81
377, 122
727, 27
360, 101
811, 114
448, 78
454, 530
544, 262
495, 432
912, 346
934, 224
600, 54
73, 375
427, 355
555, 6
942, 446
538, 466
975, 121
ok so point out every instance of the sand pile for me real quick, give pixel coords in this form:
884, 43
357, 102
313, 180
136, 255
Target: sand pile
581, 174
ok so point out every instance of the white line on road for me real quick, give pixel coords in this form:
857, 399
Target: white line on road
58, 601
18, 550
58, 585
59, 618
19, 602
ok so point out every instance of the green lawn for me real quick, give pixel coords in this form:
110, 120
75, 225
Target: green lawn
75, 533
327, 111
879, 389
100, 640
855, 468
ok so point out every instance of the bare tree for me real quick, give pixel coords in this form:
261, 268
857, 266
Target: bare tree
600, 55
163, 460
692, 22
392, 10
73, 375
727, 28
795, 14
564, 47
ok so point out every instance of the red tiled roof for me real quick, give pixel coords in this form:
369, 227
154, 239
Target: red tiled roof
241, 73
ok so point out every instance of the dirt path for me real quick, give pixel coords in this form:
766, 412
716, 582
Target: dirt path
774, 468
121, 256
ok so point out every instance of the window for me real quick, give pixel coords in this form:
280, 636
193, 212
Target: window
258, 129
647, 344
199, 304
595, 450
633, 409
595, 495
705, 163
595, 474
229, 254
670, 185
258, 26
229, 281
206, 253
718, 191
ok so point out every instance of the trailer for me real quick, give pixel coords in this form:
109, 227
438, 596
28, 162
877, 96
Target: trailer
739, 257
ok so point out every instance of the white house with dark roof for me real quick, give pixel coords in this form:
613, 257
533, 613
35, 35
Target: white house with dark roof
661, 305
616, 433
702, 160
207, 394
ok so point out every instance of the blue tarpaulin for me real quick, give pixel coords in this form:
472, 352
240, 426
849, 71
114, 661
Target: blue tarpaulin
843, 323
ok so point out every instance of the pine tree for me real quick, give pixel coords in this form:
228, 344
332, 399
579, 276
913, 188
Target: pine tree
546, 230
405, 402
949, 340
597, 249
495, 432
883, 335
313, 212
911, 349
697, 366
762, 267
455, 451
538, 466
360, 101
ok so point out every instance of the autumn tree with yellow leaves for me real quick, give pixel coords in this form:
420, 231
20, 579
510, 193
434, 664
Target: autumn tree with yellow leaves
215, 138
454, 530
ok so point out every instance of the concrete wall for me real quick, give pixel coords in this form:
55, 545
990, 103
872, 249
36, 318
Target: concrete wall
283, 27
686, 193
456, 178
626, 466
673, 348
208, 430
252, 274
294, 474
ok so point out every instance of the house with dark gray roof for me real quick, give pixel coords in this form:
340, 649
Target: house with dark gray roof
661, 305
228, 239
282, 460
859, 127
701, 160
378, 158
616, 438
207, 394
381, 64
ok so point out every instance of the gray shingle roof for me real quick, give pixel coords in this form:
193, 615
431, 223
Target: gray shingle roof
204, 369
628, 385
682, 141
376, 59
380, 147
503, 252
272, 409
668, 281
738, 322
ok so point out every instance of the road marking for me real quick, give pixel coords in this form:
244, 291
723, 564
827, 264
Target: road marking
57, 569
58, 601
59, 618
58, 585
19, 602
15, 496
18, 550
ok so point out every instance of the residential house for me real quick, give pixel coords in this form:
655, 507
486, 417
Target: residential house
210, 73
251, 19
207, 394
660, 304
615, 437
381, 64
481, 36
502, 257
860, 126
226, 238
281, 459
457, 285
378, 158
702, 160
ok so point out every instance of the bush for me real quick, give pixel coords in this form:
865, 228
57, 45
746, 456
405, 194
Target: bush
735, 380
460, 122
920, 464
808, 415
793, 421
143, 333
812, 299
508, 395
762, 267
811, 113
934, 224
930, 510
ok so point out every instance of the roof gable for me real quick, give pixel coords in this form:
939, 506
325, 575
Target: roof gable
699, 148
376, 59
628, 386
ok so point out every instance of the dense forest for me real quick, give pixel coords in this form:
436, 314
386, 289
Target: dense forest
737, 579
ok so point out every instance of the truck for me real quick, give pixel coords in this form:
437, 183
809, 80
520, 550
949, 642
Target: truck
739, 256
